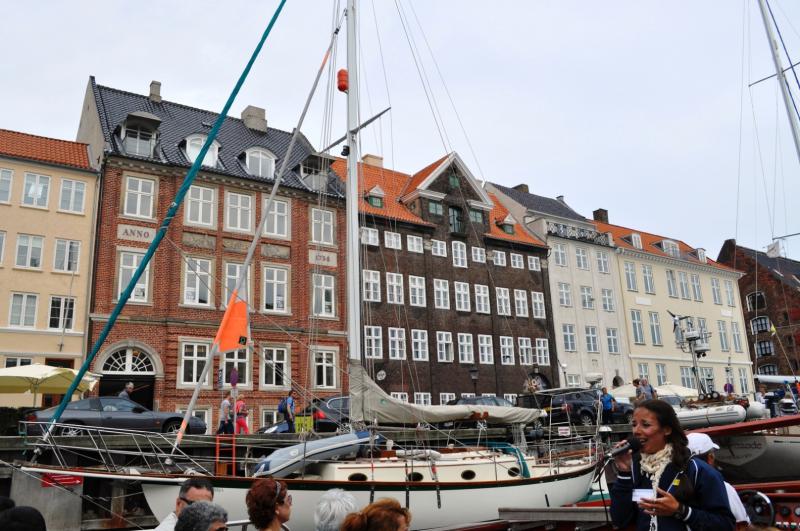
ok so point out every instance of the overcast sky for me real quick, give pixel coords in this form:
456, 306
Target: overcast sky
632, 106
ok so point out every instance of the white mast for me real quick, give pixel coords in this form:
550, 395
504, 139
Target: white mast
353, 236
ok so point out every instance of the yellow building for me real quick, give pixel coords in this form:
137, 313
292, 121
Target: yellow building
658, 275
48, 192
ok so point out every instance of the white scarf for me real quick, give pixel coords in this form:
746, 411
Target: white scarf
653, 466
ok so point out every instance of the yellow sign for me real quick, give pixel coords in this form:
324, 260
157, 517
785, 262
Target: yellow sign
303, 424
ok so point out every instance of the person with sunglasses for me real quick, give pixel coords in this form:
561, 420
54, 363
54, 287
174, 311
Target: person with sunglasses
269, 505
202, 516
192, 490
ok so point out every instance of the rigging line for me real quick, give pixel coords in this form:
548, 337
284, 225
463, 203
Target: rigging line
760, 160
741, 128
788, 57
790, 67
385, 83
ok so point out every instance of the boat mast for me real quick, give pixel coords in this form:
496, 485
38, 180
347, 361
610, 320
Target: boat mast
787, 100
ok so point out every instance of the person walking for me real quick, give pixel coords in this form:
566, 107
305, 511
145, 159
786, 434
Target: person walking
241, 416
609, 404
225, 410
288, 410
645, 391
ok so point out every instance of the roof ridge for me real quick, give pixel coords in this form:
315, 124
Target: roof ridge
564, 204
648, 232
2, 129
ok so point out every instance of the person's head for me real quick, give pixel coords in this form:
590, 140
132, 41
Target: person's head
636, 382
202, 516
604, 390
762, 388
332, 508
267, 500
193, 490
655, 424
385, 514
290, 393
129, 387
642, 381
22, 519
702, 446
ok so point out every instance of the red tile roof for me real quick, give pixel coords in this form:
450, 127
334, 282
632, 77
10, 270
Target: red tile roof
43, 149
423, 174
497, 215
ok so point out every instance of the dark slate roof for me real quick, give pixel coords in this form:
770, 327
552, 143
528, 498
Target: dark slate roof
784, 270
180, 121
538, 203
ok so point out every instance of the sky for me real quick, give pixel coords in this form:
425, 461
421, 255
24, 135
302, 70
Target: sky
641, 107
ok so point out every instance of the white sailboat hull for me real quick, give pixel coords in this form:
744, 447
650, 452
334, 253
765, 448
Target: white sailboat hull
711, 416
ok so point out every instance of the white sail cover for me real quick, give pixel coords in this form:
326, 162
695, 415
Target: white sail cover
369, 402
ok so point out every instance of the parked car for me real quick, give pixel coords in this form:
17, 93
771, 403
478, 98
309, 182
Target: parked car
113, 412
578, 406
473, 400
327, 415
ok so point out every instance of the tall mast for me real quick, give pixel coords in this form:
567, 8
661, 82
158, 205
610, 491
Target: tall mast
787, 101
353, 236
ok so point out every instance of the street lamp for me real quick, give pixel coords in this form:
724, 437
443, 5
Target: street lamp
473, 374
564, 368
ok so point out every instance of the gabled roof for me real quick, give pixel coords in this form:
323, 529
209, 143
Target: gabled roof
425, 177
783, 269
415, 180
44, 149
180, 121
541, 204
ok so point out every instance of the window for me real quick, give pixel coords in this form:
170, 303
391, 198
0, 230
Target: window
764, 348
200, 206
508, 228
456, 216
72, 194
17, 362
238, 212
744, 380
638, 331
423, 399
232, 273
560, 254
419, 345
465, 350
537, 300
687, 378
193, 360
197, 282
29, 251
564, 294
499, 258
482, 298
269, 417
438, 248
397, 343
630, 276
138, 141
612, 340
371, 281
503, 301
756, 301
66, 255
770, 370
760, 324
507, 350
435, 208
591, 339
683, 282
672, 288
671, 248
511, 397
401, 396
479, 255
444, 398
373, 342
707, 378
661, 374
441, 294
729, 294
369, 236
729, 376
602, 261
276, 289
737, 338
521, 302
542, 351
128, 263
394, 288
416, 290
444, 346
275, 370
649, 282
322, 222
573, 380
375, 200
644, 370
475, 216
581, 258
139, 197
459, 254
723, 336
62, 310
516, 261
568, 333
587, 300
655, 328
485, 349
608, 300
462, 296
5, 185
701, 325
277, 220
2, 245
195, 143
325, 369
23, 310
697, 294
392, 240
260, 163
36, 190
715, 291
525, 351
414, 244
324, 298
534, 264
453, 181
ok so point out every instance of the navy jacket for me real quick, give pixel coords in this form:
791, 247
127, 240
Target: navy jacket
708, 507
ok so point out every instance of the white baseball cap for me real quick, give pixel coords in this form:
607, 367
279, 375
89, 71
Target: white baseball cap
700, 443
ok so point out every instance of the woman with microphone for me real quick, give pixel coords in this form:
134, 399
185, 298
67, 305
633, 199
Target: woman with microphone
661, 488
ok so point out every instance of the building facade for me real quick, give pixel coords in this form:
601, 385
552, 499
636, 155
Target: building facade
770, 289
584, 289
163, 337
48, 191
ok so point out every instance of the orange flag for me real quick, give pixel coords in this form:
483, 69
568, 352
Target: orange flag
232, 333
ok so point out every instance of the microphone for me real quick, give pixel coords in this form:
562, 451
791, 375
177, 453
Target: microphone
631, 443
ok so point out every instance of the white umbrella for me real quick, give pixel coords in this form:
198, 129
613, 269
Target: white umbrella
679, 390
623, 391
44, 379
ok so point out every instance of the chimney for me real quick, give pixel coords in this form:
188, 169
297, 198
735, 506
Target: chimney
601, 214
522, 188
255, 118
372, 160
155, 91
560, 199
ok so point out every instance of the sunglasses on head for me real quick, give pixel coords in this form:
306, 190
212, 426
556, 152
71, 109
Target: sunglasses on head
287, 499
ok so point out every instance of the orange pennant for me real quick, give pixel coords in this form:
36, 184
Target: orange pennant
232, 333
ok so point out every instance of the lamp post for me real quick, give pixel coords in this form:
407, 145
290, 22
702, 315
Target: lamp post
564, 368
473, 374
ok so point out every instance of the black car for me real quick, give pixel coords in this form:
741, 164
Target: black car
113, 412
326, 414
578, 406
481, 401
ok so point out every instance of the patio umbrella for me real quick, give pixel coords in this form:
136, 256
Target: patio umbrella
623, 391
44, 379
679, 390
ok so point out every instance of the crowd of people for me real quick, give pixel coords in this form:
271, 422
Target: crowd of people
233, 413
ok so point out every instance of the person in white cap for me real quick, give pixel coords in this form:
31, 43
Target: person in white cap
703, 448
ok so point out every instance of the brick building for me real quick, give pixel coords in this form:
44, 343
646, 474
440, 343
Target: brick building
161, 341
770, 291
455, 299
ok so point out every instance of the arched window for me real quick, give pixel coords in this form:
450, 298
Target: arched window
195, 143
760, 324
770, 369
260, 163
129, 360
756, 301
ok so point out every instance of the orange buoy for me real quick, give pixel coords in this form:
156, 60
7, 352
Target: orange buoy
342, 80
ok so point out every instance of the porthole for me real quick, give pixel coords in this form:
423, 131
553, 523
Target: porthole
358, 476
513, 471
468, 474
414, 476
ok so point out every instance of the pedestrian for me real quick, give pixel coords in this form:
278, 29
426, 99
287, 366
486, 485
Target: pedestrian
203, 516
269, 504
288, 410
241, 416
609, 405
192, 490
126, 392
332, 508
22, 519
384, 514
225, 421
760, 394
645, 391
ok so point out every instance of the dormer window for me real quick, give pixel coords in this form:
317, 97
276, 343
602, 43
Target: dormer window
507, 228
671, 248
453, 180
701, 255
475, 215
375, 196
139, 141
195, 143
636, 240
260, 163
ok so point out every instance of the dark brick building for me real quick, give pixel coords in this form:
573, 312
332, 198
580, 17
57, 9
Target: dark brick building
770, 289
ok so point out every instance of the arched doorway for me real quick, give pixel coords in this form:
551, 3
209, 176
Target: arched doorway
129, 364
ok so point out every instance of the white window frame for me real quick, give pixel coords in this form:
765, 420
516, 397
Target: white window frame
485, 349
729, 293
560, 254
370, 236
482, 304
139, 212
193, 283
479, 255
42, 184
716, 292
459, 254
6, 176
324, 295
142, 286
568, 336
516, 261
687, 378
371, 285
507, 356
661, 373
564, 295
238, 212
397, 343
636, 240
612, 340
587, 298
590, 334
444, 398
534, 263
520, 303
608, 300
525, 350
581, 258
648, 280
270, 367
441, 294
232, 270
602, 262
737, 337
200, 201
417, 291
724, 344
2, 246
697, 292
542, 351
537, 305
414, 244
655, 329
32, 243
72, 207
419, 345
438, 248
644, 370
68, 265
394, 288
279, 219
683, 284
194, 144
26, 300
392, 240
499, 258
279, 285
422, 399
444, 346
466, 350
265, 163
373, 342
323, 226
17, 361
327, 358
66, 313
462, 295
637, 326
197, 363
744, 380
400, 395
503, 301
672, 284
630, 276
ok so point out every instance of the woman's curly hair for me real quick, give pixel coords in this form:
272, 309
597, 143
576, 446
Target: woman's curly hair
262, 499
378, 516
